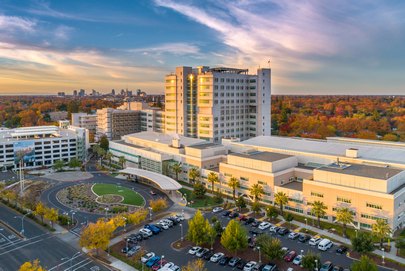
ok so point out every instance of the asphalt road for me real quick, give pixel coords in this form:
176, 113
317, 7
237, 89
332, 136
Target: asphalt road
53, 253
160, 244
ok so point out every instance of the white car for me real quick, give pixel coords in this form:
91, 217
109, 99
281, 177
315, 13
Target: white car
166, 267
147, 257
217, 209
216, 257
174, 268
146, 231
193, 250
285, 250
180, 217
297, 260
168, 222
293, 235
163, 225
273, 229
249, 266
201, 252
264, 225
314, 241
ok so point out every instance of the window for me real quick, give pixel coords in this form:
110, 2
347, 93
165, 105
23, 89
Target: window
244, 179
296, 200
374, 206
346, 200
372, 217
296, 210
316, 194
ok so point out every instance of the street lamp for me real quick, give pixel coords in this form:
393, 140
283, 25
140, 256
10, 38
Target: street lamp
161, 261
125, 226
260, 255
302, 252
73, 221
71, 259
306, 224
150, 213
181, 231
383, 256
106, 210
22, 222
316, 265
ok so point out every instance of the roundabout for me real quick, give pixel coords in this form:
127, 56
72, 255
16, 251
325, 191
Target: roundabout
128, 196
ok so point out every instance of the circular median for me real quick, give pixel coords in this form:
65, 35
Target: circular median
128, 196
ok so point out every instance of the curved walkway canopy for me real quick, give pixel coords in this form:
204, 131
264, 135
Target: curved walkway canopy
164, 182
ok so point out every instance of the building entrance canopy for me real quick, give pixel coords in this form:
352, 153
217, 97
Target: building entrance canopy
164, 182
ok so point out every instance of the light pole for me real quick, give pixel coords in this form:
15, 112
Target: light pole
302, 255
306, 224
260, 255
383, 256
161, 261
150, 213
106, 210
73, 221
125, 226
22, 222
316, 265
181, 232
71, 259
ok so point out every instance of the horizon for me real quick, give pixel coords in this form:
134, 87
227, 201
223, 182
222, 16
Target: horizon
314, 48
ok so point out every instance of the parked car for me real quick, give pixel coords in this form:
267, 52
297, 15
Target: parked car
207, 256
337, 268
234, 215
146, 232
255, 223
242, 217
270, 267
193, 250
327, 266
224, 260
152, 228
163, 225
274, 229
234, 261
297, 260
226, 213
159, 264
255, 232
168, 221
217, 209
249, 266
285, 250
147, 257
216, 257
264, 225
341, 249
249, 221
175, 220
180, 216
289, 257
283, 231
133, 250
303, 238
201, 252
293, 235
125, 249
325, 244
174, 268
241, 264
315, 241
153, 193
166, 267
152, 261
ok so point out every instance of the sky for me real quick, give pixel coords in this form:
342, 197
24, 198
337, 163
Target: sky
314, 46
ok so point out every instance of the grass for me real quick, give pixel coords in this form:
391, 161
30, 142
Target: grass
130, 197
197, 203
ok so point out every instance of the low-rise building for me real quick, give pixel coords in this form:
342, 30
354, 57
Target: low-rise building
115, 123
84, 120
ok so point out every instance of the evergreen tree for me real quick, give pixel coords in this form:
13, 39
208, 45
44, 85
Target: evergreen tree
235, 237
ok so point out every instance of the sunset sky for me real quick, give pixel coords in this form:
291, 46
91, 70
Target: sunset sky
315, 47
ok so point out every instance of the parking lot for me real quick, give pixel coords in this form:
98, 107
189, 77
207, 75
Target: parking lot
161, 245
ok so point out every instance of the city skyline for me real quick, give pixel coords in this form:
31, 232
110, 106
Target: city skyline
314, 47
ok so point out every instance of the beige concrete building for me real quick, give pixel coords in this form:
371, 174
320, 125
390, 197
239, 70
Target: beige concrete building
115, 123
216, 103
84, 120
365, 176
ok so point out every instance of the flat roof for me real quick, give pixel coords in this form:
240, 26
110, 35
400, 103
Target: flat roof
263, 156
165, 138
373, 152
205, 146
293, 185
164, 182
383, 173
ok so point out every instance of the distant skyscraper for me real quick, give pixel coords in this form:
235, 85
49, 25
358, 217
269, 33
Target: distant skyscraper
218, 103
113, 92
75, 93
82, 92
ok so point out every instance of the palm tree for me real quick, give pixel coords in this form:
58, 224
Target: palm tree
193, 174
318, 209
381, 229
122, 160
233, 183
281, 199
256, 191
109, 157
345, 216
213, 178
177, 169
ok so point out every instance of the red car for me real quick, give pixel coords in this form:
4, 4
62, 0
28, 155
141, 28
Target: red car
159, 264
289, 257
242, 217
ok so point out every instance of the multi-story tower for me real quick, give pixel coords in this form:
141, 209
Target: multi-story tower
84, 120
115, 123
218, 103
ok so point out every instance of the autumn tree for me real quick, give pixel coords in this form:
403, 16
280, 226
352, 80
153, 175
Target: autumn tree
40, 210
51, 214
158, 204
31, 266
137, 217
96, 235
195, 265
234, 238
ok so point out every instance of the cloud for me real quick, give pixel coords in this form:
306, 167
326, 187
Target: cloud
13, 23
178, 48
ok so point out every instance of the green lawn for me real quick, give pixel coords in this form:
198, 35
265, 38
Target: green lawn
130, 197
198, 203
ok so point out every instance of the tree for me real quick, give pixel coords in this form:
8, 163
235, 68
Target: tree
96, 236
177, 169
381, 230
10, 195
58, 165
318, 209
122, 160
240, 203
193, 174
271, 212
345, 216
289, 217
109, 157
256, 207
137, 217
212, 235
195, 265
400, 244
104, 143
199, 190
234, 238
269, 246
52, 215
308, 261
281, 199
365, 264
218, 227
158, 204
363, 242
213, 178
233, 184
198, 229
31, 266
74, 162
256, 191
40, 210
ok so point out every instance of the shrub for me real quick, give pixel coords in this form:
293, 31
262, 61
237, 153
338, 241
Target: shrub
158, 204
